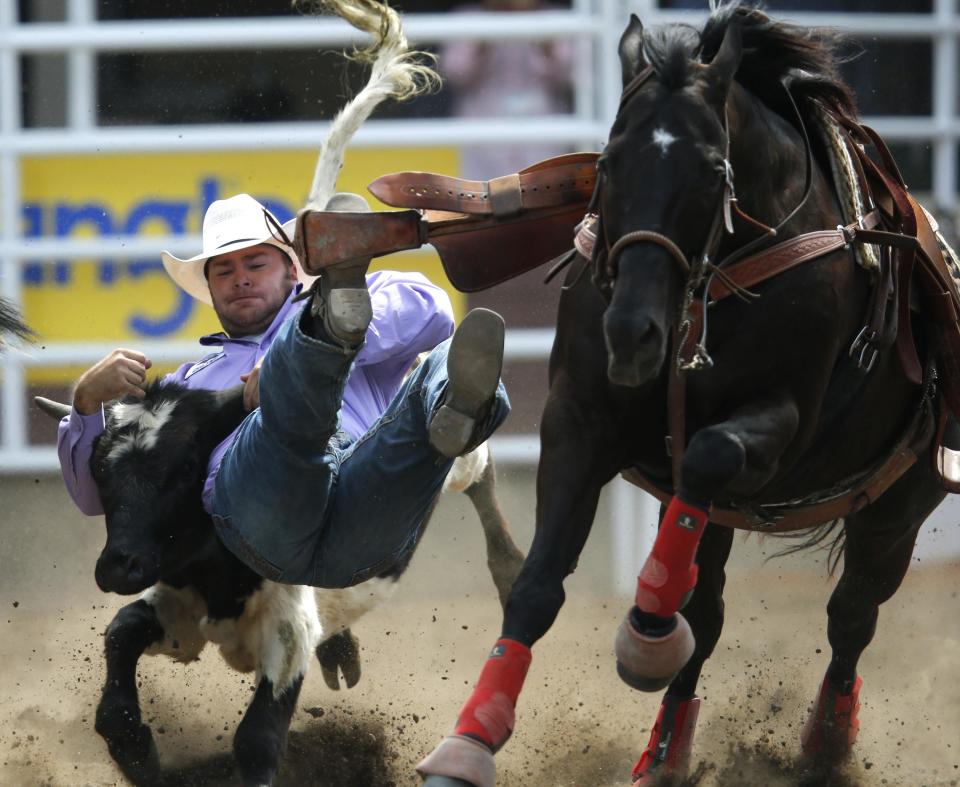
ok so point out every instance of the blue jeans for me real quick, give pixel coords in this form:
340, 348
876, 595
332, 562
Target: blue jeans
298, 502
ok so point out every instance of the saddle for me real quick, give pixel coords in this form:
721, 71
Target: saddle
485, 232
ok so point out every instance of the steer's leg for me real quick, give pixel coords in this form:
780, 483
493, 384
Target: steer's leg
163, 620
339, 608
118, 715
262, 734
579, 456
504, 559
287, 631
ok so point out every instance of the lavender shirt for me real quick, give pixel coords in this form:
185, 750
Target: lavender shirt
410, 316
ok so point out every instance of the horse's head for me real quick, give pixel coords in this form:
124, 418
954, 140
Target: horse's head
663, 172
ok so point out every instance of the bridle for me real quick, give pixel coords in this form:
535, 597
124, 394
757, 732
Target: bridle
702, 270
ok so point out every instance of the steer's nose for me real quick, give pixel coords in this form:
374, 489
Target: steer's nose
119, 572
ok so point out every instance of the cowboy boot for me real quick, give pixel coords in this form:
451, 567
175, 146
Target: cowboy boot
474, 362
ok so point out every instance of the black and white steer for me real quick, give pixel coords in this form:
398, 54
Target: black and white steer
149, 465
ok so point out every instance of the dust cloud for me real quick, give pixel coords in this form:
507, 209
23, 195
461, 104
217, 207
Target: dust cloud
577, 724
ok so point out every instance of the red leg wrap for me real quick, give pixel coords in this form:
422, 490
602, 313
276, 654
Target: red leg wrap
488, 715
670, 573
832, 727
668, 752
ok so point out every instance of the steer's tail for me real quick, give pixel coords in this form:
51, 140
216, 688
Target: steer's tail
11, 323
396, 73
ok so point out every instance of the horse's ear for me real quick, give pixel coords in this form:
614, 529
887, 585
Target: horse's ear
631, 50
722, 69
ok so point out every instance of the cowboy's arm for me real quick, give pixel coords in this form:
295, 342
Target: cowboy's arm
75, 438
79, 430
410, 315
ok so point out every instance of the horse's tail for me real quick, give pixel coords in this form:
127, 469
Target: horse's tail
818, 538
395, 73
11, 323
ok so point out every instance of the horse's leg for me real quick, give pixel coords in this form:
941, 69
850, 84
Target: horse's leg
576, 461
671, 740
162, 620
504, 559
740, 454
879, 544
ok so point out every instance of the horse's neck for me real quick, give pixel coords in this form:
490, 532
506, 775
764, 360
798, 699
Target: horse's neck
769, 160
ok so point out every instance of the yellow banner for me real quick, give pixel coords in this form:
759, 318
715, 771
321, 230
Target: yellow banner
126, 300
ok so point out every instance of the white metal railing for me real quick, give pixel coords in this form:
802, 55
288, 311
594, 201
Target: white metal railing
596, 24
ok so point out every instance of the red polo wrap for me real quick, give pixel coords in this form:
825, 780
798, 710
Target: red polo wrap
670, 572
488, 714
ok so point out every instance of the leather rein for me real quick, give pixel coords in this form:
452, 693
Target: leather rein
734, 275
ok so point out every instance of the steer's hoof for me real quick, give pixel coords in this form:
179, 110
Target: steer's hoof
650, 663
458, 762
137, 757
341, 651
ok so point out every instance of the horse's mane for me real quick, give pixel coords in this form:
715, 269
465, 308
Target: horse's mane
772, 52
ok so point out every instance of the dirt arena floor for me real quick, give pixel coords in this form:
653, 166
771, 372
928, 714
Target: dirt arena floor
577, 724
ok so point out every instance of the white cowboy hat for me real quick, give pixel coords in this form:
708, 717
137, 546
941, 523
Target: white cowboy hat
237, 223
229, 224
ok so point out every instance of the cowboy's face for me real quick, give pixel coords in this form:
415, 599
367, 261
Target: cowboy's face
248, 287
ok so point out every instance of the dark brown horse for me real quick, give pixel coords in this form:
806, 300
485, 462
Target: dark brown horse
796, 409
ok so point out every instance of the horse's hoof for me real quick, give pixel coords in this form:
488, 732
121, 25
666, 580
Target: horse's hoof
458, 762
666, 759
833, 724
649, 663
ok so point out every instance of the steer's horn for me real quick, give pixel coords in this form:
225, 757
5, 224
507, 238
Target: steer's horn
52, 408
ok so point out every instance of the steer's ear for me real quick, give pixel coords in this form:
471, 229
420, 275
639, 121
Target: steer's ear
228, 414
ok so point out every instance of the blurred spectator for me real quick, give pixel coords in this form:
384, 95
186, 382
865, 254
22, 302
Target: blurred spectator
507, 78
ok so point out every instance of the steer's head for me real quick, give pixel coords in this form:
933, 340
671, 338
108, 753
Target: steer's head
150, 464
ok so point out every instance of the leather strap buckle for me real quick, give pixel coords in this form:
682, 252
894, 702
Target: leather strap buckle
864, 350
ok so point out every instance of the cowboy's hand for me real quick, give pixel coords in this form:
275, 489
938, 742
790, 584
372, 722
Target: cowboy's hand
251, 387
121, 373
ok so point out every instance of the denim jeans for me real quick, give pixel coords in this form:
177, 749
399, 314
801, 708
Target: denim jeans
298, 502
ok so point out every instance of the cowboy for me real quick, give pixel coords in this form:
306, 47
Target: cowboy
332, 474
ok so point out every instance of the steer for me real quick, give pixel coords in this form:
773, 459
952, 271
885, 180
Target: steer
149, 465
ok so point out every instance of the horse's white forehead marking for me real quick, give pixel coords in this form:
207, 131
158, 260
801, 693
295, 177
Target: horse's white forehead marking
663, 139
